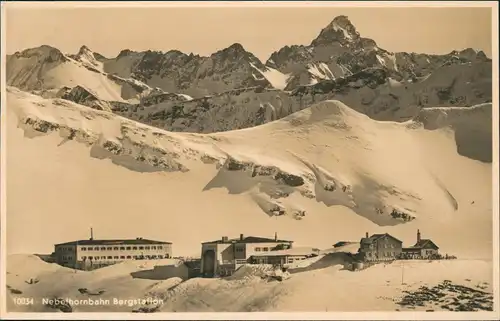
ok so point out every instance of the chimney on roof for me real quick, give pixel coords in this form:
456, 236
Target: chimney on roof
418, 236
225, 239
366, 234
91, 234
275, 236
241, 237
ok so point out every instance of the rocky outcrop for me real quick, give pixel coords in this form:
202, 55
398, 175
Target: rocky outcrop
256, 170
86, 97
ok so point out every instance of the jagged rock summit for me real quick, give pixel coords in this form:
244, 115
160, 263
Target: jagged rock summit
339, 30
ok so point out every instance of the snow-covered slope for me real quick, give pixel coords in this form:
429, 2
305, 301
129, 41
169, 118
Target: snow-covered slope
323, 174
277, 79
46, 68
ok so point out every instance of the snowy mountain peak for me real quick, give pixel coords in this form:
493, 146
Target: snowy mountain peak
44, 53
287, 54
86, 57
339, 30
344, 23
174, 54
236, 49
84, 50
342, 20
236, 52
124, 53
471, 54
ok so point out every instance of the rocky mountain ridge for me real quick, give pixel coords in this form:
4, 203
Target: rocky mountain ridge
233, 89
194, 75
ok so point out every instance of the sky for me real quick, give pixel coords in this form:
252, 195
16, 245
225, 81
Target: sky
261, 30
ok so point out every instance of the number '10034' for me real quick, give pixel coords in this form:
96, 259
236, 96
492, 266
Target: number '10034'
23, 301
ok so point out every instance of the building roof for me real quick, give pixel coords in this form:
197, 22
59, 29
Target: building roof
424, 243
114, 242
248, 239
374, 237
194, 264
342, 243
348, 247
410, 249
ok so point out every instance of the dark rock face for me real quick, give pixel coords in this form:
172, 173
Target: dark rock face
371, 78
289, 57
84, 96
256, 170
42, 126
175, 71
450, 297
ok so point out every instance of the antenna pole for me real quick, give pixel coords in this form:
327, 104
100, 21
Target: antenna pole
402, 272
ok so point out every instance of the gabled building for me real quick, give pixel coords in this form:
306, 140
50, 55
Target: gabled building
423, 249
224, 256
379, 247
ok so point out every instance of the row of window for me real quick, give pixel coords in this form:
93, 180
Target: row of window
111, 248
386, 246
289, 260
67, 258
386, 254
123, 257
257, 249
122, 248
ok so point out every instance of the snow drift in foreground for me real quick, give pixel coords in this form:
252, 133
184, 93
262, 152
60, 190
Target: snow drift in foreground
311, 172
326, 288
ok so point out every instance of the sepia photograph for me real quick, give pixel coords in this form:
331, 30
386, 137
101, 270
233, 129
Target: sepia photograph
243, 159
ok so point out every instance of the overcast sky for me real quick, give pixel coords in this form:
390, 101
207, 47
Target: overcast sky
260, 30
